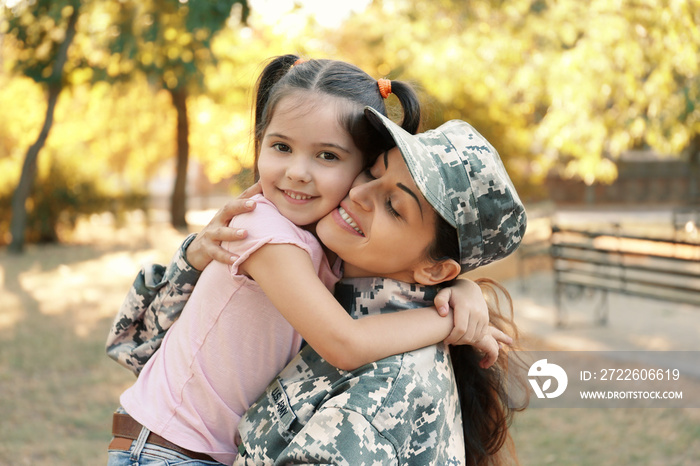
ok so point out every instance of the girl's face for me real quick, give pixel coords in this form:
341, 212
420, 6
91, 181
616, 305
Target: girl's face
384, 226
307, 160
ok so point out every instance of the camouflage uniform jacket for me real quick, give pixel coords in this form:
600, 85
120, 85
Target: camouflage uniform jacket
154, 302
403, 409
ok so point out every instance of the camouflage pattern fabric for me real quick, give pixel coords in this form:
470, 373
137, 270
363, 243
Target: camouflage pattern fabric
154, 302
463, 178
400, 410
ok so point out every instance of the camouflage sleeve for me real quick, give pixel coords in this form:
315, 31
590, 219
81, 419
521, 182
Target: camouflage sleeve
339, 437
153, 303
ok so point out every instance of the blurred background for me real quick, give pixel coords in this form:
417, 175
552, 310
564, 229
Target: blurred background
125, 124
110, 106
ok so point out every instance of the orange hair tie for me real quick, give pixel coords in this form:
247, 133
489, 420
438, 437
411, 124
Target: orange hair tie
384, 87
300, 61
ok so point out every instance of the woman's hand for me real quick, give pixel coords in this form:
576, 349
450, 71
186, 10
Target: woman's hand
471, 314
207, 245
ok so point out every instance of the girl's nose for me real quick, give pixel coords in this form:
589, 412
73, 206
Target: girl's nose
298, 170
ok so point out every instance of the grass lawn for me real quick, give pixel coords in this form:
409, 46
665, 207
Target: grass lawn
58, 388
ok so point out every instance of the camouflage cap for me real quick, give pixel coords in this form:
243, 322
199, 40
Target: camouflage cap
462, 176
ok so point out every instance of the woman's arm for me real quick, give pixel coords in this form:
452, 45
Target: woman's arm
154, 302
158, 294
287, 276
207, 245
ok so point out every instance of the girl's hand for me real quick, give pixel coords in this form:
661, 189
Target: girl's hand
471, 315
490, 345
207, 245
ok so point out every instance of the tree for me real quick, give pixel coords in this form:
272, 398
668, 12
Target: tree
620, 77
170, 41
470, 61
555, 84
46, 53
107, 138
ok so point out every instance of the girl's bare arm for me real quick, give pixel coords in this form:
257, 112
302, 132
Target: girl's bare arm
288, 278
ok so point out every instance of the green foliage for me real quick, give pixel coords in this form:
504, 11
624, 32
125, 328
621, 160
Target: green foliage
108, 141
60, 196
613, 84
554, 84
168, 40
38, 31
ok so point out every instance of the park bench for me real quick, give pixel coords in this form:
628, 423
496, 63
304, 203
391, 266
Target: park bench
587, 263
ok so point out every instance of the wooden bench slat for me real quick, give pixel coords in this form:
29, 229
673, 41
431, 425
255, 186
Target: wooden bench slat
657, 268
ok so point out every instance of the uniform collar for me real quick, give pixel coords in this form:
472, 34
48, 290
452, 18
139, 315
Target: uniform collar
375, 295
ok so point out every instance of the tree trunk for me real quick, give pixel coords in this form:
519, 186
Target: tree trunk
18, 223
179, 196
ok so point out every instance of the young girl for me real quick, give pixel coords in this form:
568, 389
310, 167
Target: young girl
437, 204
235, 334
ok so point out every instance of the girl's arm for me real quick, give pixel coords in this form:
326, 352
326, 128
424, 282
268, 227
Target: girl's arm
287, 276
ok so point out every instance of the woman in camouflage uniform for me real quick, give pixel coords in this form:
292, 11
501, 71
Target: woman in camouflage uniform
445, 192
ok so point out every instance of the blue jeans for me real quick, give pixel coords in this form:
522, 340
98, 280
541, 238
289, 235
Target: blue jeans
147, 454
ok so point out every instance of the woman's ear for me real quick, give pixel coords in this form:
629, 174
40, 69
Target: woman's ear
433, 273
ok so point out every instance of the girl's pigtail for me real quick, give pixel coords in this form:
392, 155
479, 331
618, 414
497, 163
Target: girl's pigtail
409, 103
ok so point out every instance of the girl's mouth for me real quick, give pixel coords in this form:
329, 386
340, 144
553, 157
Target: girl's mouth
349, 220
296, 196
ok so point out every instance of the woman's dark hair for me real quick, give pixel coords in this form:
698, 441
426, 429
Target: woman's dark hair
282, 76
486, 410
446, 243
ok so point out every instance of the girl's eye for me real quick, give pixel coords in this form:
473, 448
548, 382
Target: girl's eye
282, 147
390, 209
328, 156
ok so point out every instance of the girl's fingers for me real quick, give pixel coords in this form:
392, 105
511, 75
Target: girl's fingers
488, 346
500, 336
442, 302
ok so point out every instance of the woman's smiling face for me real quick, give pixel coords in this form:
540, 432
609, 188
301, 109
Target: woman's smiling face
384, 226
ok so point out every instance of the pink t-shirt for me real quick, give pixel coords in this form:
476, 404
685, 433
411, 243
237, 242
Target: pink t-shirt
229, 343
